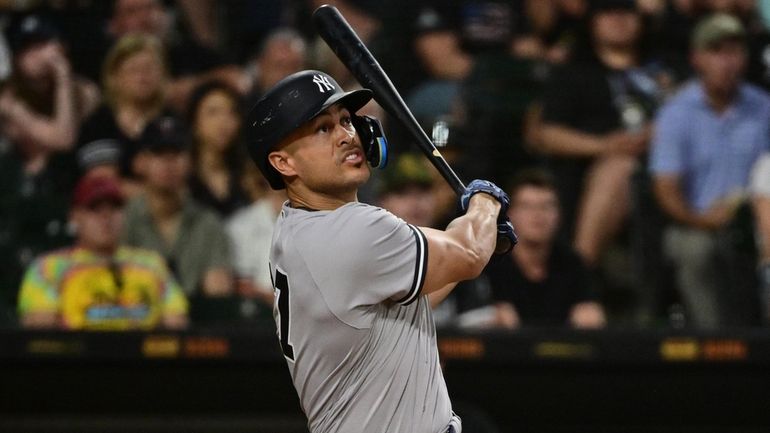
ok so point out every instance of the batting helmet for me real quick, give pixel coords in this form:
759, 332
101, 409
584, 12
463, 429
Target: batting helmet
290, 103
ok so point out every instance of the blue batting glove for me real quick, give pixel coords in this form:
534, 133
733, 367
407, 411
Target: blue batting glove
486, 187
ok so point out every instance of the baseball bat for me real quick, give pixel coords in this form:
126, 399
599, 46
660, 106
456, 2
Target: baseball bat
346, 44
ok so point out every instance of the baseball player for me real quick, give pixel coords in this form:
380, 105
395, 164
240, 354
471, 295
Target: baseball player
350, 279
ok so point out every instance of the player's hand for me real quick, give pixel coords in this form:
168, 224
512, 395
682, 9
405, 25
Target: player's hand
506, 237
486, 187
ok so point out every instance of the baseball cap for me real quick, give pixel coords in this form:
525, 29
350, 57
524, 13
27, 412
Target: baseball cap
98, 152
716, 28
165, 134
287, 105
408, 170
30, 30
91, 190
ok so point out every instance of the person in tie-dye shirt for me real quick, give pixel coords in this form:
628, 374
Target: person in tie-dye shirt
98, 283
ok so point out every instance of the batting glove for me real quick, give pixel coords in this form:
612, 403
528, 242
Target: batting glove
486, 187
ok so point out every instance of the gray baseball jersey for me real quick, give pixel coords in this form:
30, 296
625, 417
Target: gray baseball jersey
354, 328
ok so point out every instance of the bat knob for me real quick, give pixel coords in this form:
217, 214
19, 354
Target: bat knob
506, 237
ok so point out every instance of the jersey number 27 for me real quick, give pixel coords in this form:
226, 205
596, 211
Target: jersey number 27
282, 297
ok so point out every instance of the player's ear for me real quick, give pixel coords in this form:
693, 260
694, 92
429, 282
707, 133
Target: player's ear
281, 161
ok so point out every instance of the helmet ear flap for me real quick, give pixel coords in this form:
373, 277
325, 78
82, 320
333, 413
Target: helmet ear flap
372, 140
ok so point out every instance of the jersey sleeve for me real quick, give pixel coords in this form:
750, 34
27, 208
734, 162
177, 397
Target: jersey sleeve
361, 255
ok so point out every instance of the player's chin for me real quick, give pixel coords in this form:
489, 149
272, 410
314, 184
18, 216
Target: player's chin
358, 173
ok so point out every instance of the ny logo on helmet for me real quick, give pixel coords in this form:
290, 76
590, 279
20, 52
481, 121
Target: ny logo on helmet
323, 83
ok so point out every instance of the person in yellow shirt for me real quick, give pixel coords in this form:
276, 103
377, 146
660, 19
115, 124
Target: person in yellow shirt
98, 284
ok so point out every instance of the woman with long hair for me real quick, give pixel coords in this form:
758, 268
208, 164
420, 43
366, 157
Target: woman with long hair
218, 159
134, 82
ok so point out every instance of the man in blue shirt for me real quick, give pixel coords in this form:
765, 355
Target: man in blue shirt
707, 138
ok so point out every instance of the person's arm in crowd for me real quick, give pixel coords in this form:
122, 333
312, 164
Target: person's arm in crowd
587, 315
248, 288
670, 197
506, 316
561, 140
760, 200
442, 55
218, 279
761, 206
38, 304
88, 96
218, 282
57, 132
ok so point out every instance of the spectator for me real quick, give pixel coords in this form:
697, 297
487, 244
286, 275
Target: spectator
406, 191
100, 158
134, 81
190, 63
218, 162
543, 282
552, 28
34, 199
760, 194
167, 220
251, 231
43, 104
99, 283
6, 63
38, 115
707, 139
283, 53
450, 37
596, 114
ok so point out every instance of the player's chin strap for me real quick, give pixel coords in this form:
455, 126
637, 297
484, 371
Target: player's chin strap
372, 139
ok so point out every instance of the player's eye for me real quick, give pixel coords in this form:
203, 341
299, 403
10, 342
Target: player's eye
346, 121
324, 128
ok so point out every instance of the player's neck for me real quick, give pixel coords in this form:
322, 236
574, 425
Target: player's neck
319, 201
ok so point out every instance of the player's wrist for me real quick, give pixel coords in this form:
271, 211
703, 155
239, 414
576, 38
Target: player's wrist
484, 200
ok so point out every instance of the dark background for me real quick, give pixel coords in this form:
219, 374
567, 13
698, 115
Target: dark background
533, 381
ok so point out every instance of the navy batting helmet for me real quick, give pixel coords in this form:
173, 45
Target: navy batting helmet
290, 103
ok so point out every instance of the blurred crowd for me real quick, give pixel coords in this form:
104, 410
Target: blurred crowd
633, 137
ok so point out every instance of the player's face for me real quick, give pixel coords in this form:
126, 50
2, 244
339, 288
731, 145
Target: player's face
99, 225
325, 156
534, 211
